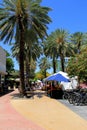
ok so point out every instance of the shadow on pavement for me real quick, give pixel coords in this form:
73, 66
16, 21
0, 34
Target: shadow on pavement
6, 92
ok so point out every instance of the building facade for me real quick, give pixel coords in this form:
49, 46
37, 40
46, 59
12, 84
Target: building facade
2, 63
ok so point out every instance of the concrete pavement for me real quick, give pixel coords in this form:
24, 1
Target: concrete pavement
80, 110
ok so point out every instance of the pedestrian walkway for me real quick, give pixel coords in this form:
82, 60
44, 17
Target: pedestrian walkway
10, 119
49, 113
38, 113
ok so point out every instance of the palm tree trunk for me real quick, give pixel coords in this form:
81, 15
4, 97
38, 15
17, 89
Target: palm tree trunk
54, 65
62, 63
27, 72
78, 47
21, 58
45, 73
22, 85
29, 64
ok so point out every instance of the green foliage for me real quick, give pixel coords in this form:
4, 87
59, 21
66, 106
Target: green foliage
15, 74
72, 67
32, 69
77, 65
9, 65
57, 45
40, 75
44, 64
78, 39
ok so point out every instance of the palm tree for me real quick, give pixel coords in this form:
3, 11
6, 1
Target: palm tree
44, 65
59, 45
32, 52
16, 16
78, 39
51, 51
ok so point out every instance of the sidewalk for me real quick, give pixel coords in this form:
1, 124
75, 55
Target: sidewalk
38, 113
49, 113
10, 119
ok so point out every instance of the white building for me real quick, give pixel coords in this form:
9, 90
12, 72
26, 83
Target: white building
2, 64
2, 61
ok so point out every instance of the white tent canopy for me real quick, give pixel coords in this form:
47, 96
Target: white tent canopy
39, 81
64, 74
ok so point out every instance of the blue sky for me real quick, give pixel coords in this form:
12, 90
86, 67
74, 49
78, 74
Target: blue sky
70, 15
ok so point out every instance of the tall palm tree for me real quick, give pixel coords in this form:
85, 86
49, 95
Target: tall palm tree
44, 65
32, 52
51, 51
16, 16
78, 39
59, 45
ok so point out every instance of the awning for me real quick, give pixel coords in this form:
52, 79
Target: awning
57, 77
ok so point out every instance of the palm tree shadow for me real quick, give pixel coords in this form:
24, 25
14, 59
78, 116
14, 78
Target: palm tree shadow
18, 95
40, 94
6, 92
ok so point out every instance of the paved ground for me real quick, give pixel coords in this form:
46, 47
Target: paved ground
49, 113
80, 110
39, 113
10, 119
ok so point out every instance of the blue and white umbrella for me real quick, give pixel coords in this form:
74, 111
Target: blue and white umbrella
57, 77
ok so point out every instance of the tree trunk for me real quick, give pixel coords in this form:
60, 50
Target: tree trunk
27, 72
62, 63
45, 73
21, 57
54, 65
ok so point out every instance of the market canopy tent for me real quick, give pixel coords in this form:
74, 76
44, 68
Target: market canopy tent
64, 74
58, 77
38, 81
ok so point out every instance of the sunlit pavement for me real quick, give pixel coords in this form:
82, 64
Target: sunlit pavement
80, 110
49, 113
10, 119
